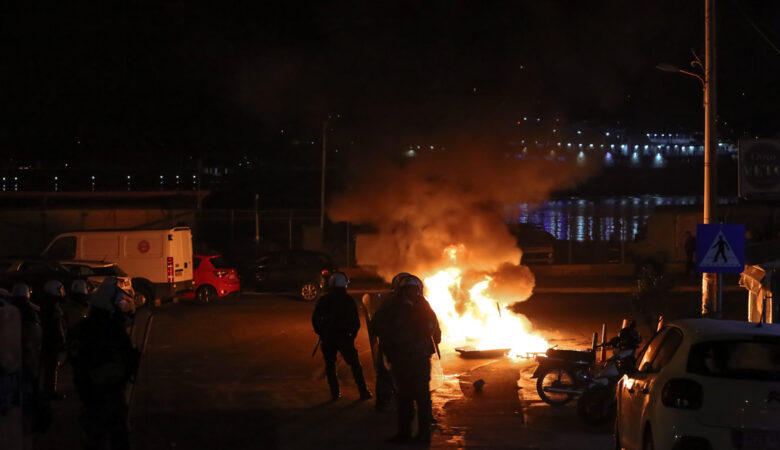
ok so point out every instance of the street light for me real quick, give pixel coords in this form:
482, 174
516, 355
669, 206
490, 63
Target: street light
709, 280
666, 67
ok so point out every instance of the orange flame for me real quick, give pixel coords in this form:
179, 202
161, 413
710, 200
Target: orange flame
480, 322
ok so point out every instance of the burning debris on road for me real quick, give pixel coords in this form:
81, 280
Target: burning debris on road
440, 217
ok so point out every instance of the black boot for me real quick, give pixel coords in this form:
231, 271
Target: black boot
333, 381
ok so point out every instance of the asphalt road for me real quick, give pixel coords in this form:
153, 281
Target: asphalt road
238, 374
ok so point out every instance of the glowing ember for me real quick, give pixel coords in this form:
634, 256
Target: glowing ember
468, 316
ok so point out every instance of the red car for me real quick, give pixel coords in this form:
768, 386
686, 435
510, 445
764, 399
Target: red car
214, 278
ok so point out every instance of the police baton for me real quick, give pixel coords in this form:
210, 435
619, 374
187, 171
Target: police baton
436, 346
316, 347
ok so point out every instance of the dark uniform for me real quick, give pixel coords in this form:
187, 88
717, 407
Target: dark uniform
384, 383
34, 418
336, 321
408, 329
53, 323
103, 361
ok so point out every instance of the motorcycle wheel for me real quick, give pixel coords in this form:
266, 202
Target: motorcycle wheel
597, 405
560, 378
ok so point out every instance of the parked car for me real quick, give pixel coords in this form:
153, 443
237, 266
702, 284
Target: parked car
97, 271
214, 276
35, 271
703, 384
293, 271
159, 261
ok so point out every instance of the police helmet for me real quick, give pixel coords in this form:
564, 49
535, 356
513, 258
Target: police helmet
21, 290
79, 286
411, 280
396, 283
54, 287
338, 280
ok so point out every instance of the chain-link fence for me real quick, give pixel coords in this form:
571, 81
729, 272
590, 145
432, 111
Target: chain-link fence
242, 234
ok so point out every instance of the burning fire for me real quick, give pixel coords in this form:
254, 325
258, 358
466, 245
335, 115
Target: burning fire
480, 322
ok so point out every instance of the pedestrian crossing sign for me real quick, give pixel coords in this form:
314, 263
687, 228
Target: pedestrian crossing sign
720, 248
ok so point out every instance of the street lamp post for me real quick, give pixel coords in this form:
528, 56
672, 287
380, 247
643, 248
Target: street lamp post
322, 177
709, 287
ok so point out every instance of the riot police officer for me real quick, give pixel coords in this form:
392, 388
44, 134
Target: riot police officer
336, 321
408, 333
384, 382
32, 335
103, 361
53, 322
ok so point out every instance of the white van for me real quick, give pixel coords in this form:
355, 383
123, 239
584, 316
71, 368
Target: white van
158, 261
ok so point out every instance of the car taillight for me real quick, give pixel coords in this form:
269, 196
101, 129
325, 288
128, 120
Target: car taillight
325, 272
170, 269
220, 273
682, 393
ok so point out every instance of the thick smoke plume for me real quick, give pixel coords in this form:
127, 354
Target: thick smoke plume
450, 198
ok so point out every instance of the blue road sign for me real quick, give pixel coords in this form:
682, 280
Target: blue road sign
720, 248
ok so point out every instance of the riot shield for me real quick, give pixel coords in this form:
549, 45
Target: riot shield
11, 425
371, 304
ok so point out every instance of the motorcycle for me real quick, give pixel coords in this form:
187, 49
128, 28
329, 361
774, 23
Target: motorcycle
563, 374
597, 404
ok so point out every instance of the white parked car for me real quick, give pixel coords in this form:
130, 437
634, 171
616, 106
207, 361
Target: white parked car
703, 384
97, 271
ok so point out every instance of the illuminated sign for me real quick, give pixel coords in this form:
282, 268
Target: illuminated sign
759, 167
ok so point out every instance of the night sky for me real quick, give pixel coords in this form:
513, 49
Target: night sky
151, 78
